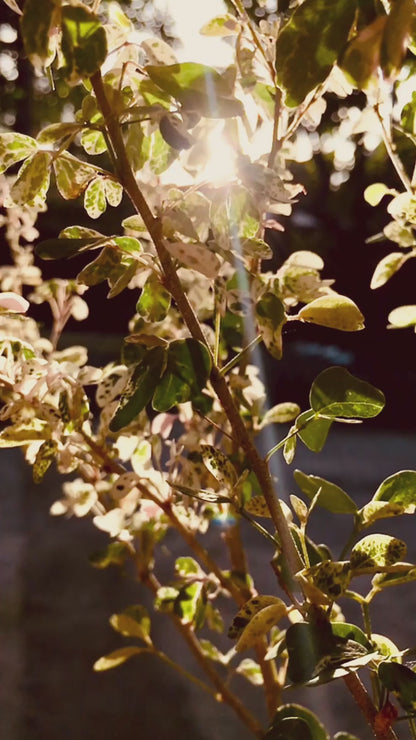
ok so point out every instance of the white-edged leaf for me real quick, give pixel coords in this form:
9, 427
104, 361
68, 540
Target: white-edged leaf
387, 267
282, 413
251, 671
113, 192
72, 175
94, 198
117, 657
196, 256
93, 141
32, 183
158, 51
14, 148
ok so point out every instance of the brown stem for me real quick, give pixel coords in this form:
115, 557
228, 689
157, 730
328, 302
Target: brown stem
359, 692
224, 693
391, 151
173, 285
272, 688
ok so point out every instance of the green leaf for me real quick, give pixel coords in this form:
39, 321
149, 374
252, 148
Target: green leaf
137, 146
401, 680
186, 566
175, 132
84, 41
140, 388
294, 722
32, 183
335, 392
387, 267
386, 580
44, 459
190, 603
399, 488
271, 318
106, 265
115, 553
375, 193
154, 301
313, 430
309, 45
162, 154
53, 249
94, 198
396, 36
128, 244
289, 448
117, 657
197, 87
375, 510
15, 147
307, 643
282, 413
351, 632
345, 736
256, 248
36, 27
331, 497
377, 550
188, 366
361, 59
133, 622
333, 311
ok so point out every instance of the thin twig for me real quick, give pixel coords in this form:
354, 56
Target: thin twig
224, 693
392, 152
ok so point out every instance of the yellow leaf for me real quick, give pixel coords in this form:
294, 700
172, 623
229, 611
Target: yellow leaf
334, 311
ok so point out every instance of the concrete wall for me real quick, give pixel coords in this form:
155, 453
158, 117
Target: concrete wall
55, 607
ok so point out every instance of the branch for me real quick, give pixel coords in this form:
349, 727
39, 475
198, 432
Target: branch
224, 693
359, 692
392, 152
173, 285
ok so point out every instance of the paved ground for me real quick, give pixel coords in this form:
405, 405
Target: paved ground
54, 611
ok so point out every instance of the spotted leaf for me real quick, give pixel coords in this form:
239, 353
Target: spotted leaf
248, 611
219, 465
377, 550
